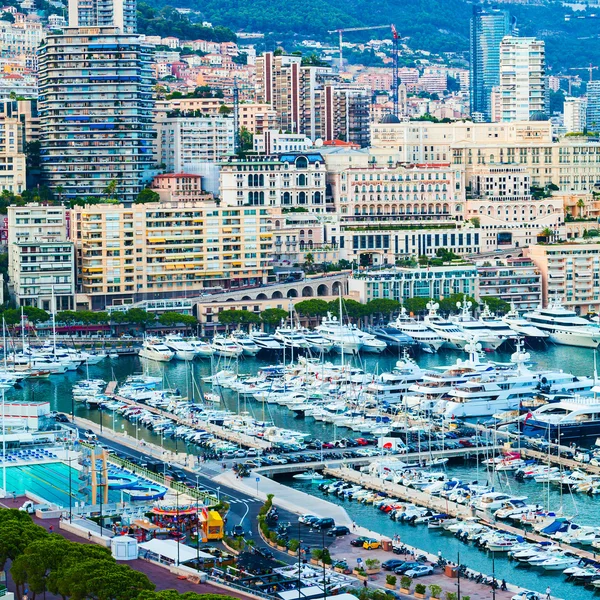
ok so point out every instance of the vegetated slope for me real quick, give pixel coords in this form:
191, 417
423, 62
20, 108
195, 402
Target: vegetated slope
433, 25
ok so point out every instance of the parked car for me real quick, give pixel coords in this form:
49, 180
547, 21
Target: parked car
407, 566
524, 595
420, 571
90, 435
338, 531
307, 519
391, 564
326, 523
372, 544
359, 541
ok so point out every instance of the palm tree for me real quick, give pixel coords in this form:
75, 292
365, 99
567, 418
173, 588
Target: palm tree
60, 190
111, 189
580, 206
547, 233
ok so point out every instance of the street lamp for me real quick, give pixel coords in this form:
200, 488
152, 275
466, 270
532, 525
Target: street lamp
178, 529
197, 523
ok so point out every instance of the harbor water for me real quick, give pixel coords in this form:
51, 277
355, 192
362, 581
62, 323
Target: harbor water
187, 377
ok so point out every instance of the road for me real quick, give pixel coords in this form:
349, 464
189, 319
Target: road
244, 508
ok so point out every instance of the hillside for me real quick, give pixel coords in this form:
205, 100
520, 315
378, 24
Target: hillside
433, 25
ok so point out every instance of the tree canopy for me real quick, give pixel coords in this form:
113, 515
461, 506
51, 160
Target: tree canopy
238, 317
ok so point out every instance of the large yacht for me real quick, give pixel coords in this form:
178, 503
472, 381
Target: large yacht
154, 349
316, 341
344, 337
181, 349
477, 329
522, 326
264, 341
571, 419
226, 347
564, 326
202, 349
369, 342
390, 388
454, 338
249, 346
291, 337
427, 338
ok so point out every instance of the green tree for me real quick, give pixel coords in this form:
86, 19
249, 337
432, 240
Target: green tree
16, 533
312, 308
382, 307
137, 316
449, 304
173, 319
580, 206
111, 189
496, 305
147, 195
238, 317
273, 316
246, 141
416, 306
351, 308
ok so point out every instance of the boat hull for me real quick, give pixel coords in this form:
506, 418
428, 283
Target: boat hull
534, 428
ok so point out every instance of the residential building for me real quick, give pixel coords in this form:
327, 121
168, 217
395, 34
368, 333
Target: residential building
593, 106
570, 163
12, 155
313, 100
167, 250
398, 283
570, 273
514, 280
104, 13
20, 38
289, 180
499, 198
178, 187
26, 112
275, 142
40, 257
575, 115
488, 27
96, 112
255, 117
184, 142
522, 78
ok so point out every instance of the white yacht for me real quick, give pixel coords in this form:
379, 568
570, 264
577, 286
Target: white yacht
476, 329
291, 337
426, 338
522, 326
264, 341
317, 342
390, 388
181, 349
344, 337
154, 349
564, 327
226, 347
249, 346
454, 338
496, 325
369, 342
202, 349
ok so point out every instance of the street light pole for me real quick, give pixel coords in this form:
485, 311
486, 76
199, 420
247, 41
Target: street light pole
70, 496
197, 523
493, 577
458, 577
178, 529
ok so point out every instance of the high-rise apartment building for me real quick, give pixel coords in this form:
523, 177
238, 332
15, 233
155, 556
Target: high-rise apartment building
184, 142
522, 78
96, 111
40, 258
575, 115
312, 100
593, 106
488, 27
167, 250
104, 13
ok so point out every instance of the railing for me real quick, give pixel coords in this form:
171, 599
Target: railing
3, 590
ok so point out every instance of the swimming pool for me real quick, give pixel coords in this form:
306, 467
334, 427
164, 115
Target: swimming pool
49, 481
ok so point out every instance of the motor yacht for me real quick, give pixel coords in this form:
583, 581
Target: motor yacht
291, 337
573, 418
344, 337
181, 349
564, 327
427, 338
316, 341
202, 349
264, 341
369, 342
477, 329
154, 349
225, 347
454, 338
522, 326
249, 346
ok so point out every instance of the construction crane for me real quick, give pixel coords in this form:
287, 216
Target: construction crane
395, 78
340, 32
591, 68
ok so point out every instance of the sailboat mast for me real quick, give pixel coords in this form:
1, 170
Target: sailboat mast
340, 321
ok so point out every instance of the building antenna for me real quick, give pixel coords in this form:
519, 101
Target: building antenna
395, 79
